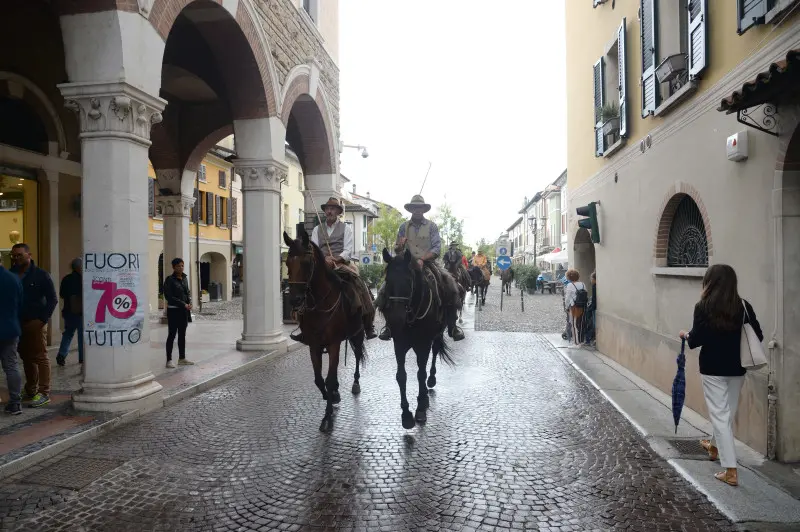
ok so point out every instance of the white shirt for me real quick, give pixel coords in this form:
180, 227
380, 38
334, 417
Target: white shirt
348, 238
571, 291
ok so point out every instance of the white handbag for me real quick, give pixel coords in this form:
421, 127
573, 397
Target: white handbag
751, 352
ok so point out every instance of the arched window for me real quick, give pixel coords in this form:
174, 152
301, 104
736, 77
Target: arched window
688, 243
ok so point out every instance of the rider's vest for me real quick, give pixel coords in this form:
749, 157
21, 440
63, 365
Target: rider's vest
335, 240
418, 242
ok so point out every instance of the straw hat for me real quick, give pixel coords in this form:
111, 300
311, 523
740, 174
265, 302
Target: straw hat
417, 201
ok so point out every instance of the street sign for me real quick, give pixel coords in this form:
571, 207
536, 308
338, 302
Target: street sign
503, 251
374, 248
365, 260
503, 262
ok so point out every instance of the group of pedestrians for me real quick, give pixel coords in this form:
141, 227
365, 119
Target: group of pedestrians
29, 300
580, 308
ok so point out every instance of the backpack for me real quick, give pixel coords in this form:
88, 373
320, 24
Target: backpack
581, 296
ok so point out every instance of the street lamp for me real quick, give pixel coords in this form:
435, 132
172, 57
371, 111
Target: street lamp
362, 149
533, 224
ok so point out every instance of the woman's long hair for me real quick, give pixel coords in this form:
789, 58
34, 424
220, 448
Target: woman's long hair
720, 300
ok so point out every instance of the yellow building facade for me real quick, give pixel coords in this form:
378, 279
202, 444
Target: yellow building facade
651, 149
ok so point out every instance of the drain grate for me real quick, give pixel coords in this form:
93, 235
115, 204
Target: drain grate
689, 448
72, 472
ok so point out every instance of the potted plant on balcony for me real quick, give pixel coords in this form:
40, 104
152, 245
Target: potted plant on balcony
609, 117
671, 67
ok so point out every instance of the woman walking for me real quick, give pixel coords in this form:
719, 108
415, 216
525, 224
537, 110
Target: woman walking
576, 298
717, 329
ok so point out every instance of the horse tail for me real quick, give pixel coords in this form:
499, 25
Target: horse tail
441, 348
359, 349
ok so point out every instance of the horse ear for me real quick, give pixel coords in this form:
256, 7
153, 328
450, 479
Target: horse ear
304, 238
287, 239
407, 256
387, 257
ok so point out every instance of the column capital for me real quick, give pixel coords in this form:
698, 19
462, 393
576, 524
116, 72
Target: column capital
265, 174
177, 205
113, 110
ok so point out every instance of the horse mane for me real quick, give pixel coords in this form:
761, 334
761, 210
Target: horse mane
319, 258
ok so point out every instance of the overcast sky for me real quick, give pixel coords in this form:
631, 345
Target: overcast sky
477, 88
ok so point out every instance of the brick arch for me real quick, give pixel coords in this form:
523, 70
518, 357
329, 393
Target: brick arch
308, 123
243, 56
669, 205
204, 146
789, 144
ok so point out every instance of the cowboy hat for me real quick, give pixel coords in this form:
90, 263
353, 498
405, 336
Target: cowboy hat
332, 202
417, 201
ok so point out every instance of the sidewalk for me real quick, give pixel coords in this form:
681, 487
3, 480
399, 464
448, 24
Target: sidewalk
768, 496
40, 433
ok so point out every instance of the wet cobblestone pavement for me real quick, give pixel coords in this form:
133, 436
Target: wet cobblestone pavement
516, 439
544, 313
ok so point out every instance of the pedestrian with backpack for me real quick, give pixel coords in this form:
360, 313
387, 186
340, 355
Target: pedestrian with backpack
576, 299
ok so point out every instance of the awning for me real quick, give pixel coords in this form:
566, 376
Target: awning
779, 81
555, 258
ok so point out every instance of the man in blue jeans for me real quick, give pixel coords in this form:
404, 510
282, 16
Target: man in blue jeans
10, 310
71, 291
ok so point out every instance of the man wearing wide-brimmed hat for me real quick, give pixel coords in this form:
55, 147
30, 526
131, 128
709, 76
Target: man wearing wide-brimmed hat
335, 239
421, 237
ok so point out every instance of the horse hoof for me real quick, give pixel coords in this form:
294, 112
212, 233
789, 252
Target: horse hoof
356, 388
326, 425
431, 381
408, 421
421, 416
336, 398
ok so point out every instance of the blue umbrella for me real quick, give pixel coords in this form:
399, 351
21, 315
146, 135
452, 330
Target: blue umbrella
679, 387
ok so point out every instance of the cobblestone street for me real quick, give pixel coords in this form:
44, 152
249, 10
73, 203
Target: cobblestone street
543, 312
516, 439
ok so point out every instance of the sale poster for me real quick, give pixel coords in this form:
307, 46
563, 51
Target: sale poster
112, 299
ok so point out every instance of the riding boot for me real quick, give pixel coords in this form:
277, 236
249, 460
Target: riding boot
453, 330
298, 337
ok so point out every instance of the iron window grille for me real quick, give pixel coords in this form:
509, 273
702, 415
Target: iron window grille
688, 244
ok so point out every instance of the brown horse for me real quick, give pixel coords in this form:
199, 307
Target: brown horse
319, 301
507, 277
453, 266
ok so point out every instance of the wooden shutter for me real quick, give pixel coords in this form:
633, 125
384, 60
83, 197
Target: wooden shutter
222, 179
649, 25
235, 211
228, 211
599, 99
751, 13
151, 196
622, 64
209, 208
196, 206
698, 32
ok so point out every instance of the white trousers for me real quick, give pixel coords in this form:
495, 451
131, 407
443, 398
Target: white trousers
722, 399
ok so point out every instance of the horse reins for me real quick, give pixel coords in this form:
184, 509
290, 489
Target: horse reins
414, 314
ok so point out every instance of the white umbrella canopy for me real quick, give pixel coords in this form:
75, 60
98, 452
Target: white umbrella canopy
555, 258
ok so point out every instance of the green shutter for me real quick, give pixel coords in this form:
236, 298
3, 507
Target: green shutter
599, 100
196, 206
151, 197
622, 64
698, 36
649, 26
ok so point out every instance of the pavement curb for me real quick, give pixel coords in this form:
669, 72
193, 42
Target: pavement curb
36, 457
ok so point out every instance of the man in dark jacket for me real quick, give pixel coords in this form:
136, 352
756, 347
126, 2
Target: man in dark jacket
71, 291
10, 311
179, 307
39, 300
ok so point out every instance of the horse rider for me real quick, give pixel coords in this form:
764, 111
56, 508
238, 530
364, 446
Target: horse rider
335, 240
455, 256
481, 261
421, 237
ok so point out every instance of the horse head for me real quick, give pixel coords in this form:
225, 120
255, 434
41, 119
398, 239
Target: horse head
403, 275
303, 261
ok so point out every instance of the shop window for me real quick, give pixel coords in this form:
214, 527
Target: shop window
688, 242
18, 215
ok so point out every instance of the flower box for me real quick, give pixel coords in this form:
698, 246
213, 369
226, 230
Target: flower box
671, 67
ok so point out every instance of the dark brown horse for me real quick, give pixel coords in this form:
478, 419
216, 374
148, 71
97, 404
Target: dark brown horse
318, 299
507, 277
452, 263
417, 321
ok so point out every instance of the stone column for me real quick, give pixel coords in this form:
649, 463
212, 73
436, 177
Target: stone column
261, 189
176, 210
115, 120
52, 265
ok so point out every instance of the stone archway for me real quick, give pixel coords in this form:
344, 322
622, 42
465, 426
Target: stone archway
214, 269
584, 253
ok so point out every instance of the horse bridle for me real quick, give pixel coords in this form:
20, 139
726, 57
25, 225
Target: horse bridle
411, 314
304, 307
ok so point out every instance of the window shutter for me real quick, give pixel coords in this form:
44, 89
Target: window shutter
209, 208
196, 206
228, 211
222, 179
698, 31
151, 196
751, 13
218, 205
598, 103
623, 80
649, 25
235, 211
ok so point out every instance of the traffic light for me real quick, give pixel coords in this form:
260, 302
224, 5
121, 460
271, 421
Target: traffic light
590, 223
